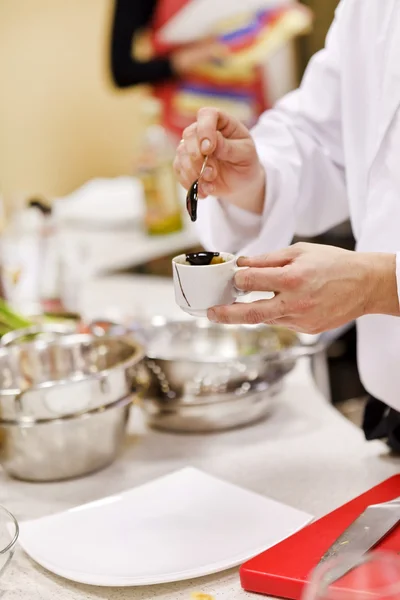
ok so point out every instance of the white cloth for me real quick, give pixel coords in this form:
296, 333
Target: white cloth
331, 149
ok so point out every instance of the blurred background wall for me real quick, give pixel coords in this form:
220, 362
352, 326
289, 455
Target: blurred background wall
58, 111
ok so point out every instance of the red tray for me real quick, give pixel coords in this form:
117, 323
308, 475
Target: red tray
282, 571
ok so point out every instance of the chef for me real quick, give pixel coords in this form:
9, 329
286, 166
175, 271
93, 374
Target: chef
328, 151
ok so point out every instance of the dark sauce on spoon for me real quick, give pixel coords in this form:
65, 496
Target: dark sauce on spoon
201, 259
192, 198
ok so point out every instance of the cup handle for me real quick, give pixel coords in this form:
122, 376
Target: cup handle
240, 293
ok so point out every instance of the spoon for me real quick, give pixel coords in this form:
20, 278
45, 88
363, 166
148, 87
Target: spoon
193, 194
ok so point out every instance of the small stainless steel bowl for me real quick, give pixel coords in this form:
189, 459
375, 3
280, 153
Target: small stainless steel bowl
64, 404
9, 532
208, 377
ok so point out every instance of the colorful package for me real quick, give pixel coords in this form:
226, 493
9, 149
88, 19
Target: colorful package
230, 84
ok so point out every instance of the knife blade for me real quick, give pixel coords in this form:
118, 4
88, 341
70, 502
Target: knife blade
364, 533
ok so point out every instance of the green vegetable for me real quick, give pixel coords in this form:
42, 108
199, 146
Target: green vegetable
10, 320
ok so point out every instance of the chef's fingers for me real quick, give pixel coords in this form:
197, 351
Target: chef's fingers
188, 131
185, 169
206, 189
189, 146
211, 171
280, 258
235, 151
252, 313
208, 179
207, 123
181, 174
268, 279
211, 120
192, 145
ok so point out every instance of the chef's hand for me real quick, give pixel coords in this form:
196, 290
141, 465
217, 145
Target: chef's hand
316, 287
233, 171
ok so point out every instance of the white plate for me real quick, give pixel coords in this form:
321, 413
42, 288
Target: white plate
185, 525
103, 203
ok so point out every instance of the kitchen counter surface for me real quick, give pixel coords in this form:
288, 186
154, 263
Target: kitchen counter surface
305, 454
111, 250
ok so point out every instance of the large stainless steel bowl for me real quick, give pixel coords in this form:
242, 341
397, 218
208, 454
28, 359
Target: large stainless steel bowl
64, 404
39, 330
207, 377
9, 532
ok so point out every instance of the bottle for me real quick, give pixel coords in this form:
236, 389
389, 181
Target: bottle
49, 256
154, 168
21, 254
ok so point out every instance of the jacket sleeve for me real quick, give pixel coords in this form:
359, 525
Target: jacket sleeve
129, 17
299, 143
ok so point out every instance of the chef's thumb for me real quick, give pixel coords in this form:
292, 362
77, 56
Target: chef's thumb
207, 122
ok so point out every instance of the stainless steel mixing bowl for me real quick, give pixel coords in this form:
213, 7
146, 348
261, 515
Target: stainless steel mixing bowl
216, 412
9, 532
64, 404
207, 377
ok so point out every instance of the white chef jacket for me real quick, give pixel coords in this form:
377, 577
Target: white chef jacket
331, 149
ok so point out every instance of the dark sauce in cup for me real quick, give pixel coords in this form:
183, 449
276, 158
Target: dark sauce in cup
202, 259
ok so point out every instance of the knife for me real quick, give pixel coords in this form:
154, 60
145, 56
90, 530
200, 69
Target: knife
374, 524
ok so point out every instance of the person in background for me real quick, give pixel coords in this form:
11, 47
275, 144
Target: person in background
326, 152
130, 18
176, 73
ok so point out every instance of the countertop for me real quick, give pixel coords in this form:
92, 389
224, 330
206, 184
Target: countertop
109, 250
116, 240
305, 454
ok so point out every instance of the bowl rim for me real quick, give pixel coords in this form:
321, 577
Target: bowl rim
285, 354
137, 356
29, 422
11, 545
11, 337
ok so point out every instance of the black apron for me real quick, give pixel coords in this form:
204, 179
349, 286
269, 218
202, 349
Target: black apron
382, 423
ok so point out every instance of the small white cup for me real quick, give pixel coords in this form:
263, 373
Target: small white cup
200, 287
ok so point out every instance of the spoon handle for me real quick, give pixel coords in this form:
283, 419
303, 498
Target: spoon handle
204, 166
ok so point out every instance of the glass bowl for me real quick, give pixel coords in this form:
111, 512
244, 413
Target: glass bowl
9, 532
